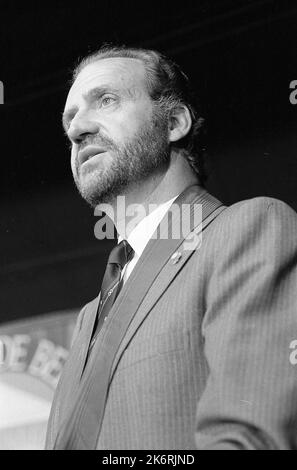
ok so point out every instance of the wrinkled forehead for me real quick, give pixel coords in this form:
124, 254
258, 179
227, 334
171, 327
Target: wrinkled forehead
124, 74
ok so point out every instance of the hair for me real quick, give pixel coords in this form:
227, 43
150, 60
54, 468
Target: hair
168, 87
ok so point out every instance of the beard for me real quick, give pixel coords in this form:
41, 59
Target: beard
145, 155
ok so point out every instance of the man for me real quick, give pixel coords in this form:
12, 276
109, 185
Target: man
188, 343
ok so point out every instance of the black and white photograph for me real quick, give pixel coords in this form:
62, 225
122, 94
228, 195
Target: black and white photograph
148, 236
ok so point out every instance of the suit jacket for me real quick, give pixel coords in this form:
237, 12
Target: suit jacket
201, 358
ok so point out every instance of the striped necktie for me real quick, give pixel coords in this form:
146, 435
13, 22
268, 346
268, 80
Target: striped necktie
112, 283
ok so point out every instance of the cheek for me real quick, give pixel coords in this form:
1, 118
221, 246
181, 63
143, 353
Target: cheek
129, 128
129, 123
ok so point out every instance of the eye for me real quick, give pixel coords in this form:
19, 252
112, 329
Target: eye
106, 100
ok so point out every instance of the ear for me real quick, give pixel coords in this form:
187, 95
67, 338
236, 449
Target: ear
180, 123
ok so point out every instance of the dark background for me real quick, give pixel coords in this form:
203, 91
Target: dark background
241, 56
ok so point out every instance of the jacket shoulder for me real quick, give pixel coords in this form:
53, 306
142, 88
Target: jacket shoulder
259, 204
264, 221
258, 208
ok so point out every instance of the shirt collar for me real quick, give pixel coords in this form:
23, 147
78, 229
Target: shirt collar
143, 231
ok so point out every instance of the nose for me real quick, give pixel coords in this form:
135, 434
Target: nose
81, 126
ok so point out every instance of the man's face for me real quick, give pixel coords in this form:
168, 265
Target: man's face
118, 137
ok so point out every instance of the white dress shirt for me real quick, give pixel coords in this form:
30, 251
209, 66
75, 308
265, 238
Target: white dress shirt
141, 234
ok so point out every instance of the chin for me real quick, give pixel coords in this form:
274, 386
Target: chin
97, 192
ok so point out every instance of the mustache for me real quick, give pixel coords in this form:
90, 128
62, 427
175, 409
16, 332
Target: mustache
99, 140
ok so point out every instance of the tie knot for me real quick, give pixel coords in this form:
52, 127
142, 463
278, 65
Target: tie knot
121, 254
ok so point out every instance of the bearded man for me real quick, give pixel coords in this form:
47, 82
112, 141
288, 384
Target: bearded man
187, 345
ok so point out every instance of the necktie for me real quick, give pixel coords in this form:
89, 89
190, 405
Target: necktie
112, 282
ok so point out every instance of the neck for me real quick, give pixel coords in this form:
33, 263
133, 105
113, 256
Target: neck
154, 191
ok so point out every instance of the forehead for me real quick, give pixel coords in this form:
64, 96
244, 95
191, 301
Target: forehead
116, 72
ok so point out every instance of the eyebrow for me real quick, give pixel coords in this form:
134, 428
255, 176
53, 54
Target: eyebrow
68, 115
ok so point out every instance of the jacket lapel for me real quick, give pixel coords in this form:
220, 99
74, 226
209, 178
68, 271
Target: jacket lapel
173, 262
151, 263
154, 259
155, 267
